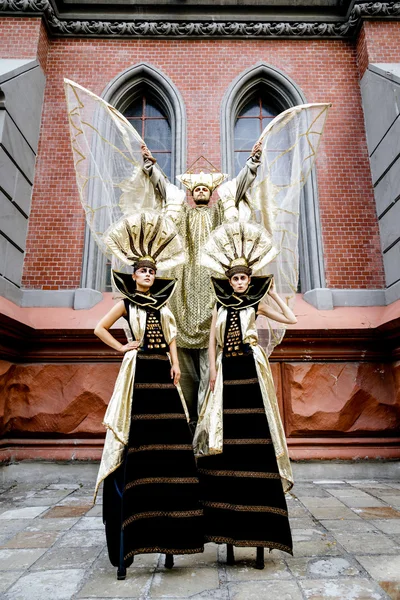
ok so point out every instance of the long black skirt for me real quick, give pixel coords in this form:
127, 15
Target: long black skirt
151, 502
243, 499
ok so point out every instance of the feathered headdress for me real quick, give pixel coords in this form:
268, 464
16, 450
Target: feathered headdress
238, 247
145, 238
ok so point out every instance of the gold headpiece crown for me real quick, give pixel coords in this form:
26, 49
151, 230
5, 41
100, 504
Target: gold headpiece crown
210, 180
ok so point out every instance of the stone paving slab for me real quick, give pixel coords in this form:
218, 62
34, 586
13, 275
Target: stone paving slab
104, 583
57, 585
265, 590
356, 589
346, 547
32, 539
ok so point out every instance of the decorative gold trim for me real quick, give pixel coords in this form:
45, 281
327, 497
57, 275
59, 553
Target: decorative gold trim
241, 381
244, 411
147, 417
163, 447
244, 508
154, 386
156, 549
174, 514
145, 356
253, 474
246, 543
245, 441
149, 480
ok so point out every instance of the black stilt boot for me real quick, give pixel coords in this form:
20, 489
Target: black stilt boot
260, 558
230, 556
169, 561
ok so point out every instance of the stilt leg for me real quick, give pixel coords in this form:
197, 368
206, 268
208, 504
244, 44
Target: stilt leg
121, 573
169, 561
230, 556
260, 558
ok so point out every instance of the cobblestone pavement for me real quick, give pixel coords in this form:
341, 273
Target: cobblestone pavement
346, 547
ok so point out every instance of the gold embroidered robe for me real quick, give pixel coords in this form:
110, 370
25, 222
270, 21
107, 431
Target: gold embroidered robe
208, 438
118, 415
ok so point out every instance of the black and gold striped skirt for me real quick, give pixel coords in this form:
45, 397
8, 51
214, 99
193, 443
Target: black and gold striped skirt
243, 499
151, 503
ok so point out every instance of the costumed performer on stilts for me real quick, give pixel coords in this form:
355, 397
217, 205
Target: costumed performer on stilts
151, 490
244, 466
192, 304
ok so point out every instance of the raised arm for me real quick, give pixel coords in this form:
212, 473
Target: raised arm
103, 326
171, 197
211, 350
284, 315
154, 173
248, 174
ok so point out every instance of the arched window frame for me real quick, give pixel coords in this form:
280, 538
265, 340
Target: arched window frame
121, 92
285, 94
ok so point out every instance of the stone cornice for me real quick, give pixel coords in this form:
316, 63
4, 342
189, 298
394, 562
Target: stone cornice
23, 344
202, 28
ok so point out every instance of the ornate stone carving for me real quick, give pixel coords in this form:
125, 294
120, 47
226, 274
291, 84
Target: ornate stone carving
200, 29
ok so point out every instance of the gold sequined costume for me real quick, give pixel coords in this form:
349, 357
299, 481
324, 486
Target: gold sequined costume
193, 300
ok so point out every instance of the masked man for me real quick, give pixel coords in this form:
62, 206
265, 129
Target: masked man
193, 300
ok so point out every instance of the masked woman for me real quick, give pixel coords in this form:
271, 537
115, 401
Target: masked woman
243, 467
151, 490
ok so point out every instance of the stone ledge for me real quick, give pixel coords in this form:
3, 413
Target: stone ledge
85, 472
327, 299
21, 343
78, 299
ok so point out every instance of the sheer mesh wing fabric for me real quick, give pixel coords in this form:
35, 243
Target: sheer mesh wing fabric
108, 162
289, 150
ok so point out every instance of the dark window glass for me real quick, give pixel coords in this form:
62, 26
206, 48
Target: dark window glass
151, 122
250, 122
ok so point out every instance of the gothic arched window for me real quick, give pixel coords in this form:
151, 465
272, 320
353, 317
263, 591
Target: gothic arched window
250, 122
149, 100
251, 101
151, 121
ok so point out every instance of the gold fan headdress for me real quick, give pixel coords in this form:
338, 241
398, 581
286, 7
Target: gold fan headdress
238, 247
145, 238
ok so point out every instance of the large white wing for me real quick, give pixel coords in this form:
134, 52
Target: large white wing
108, 161
289, 149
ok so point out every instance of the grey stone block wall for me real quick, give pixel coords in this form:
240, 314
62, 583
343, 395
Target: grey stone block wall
380, 89
22, 85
